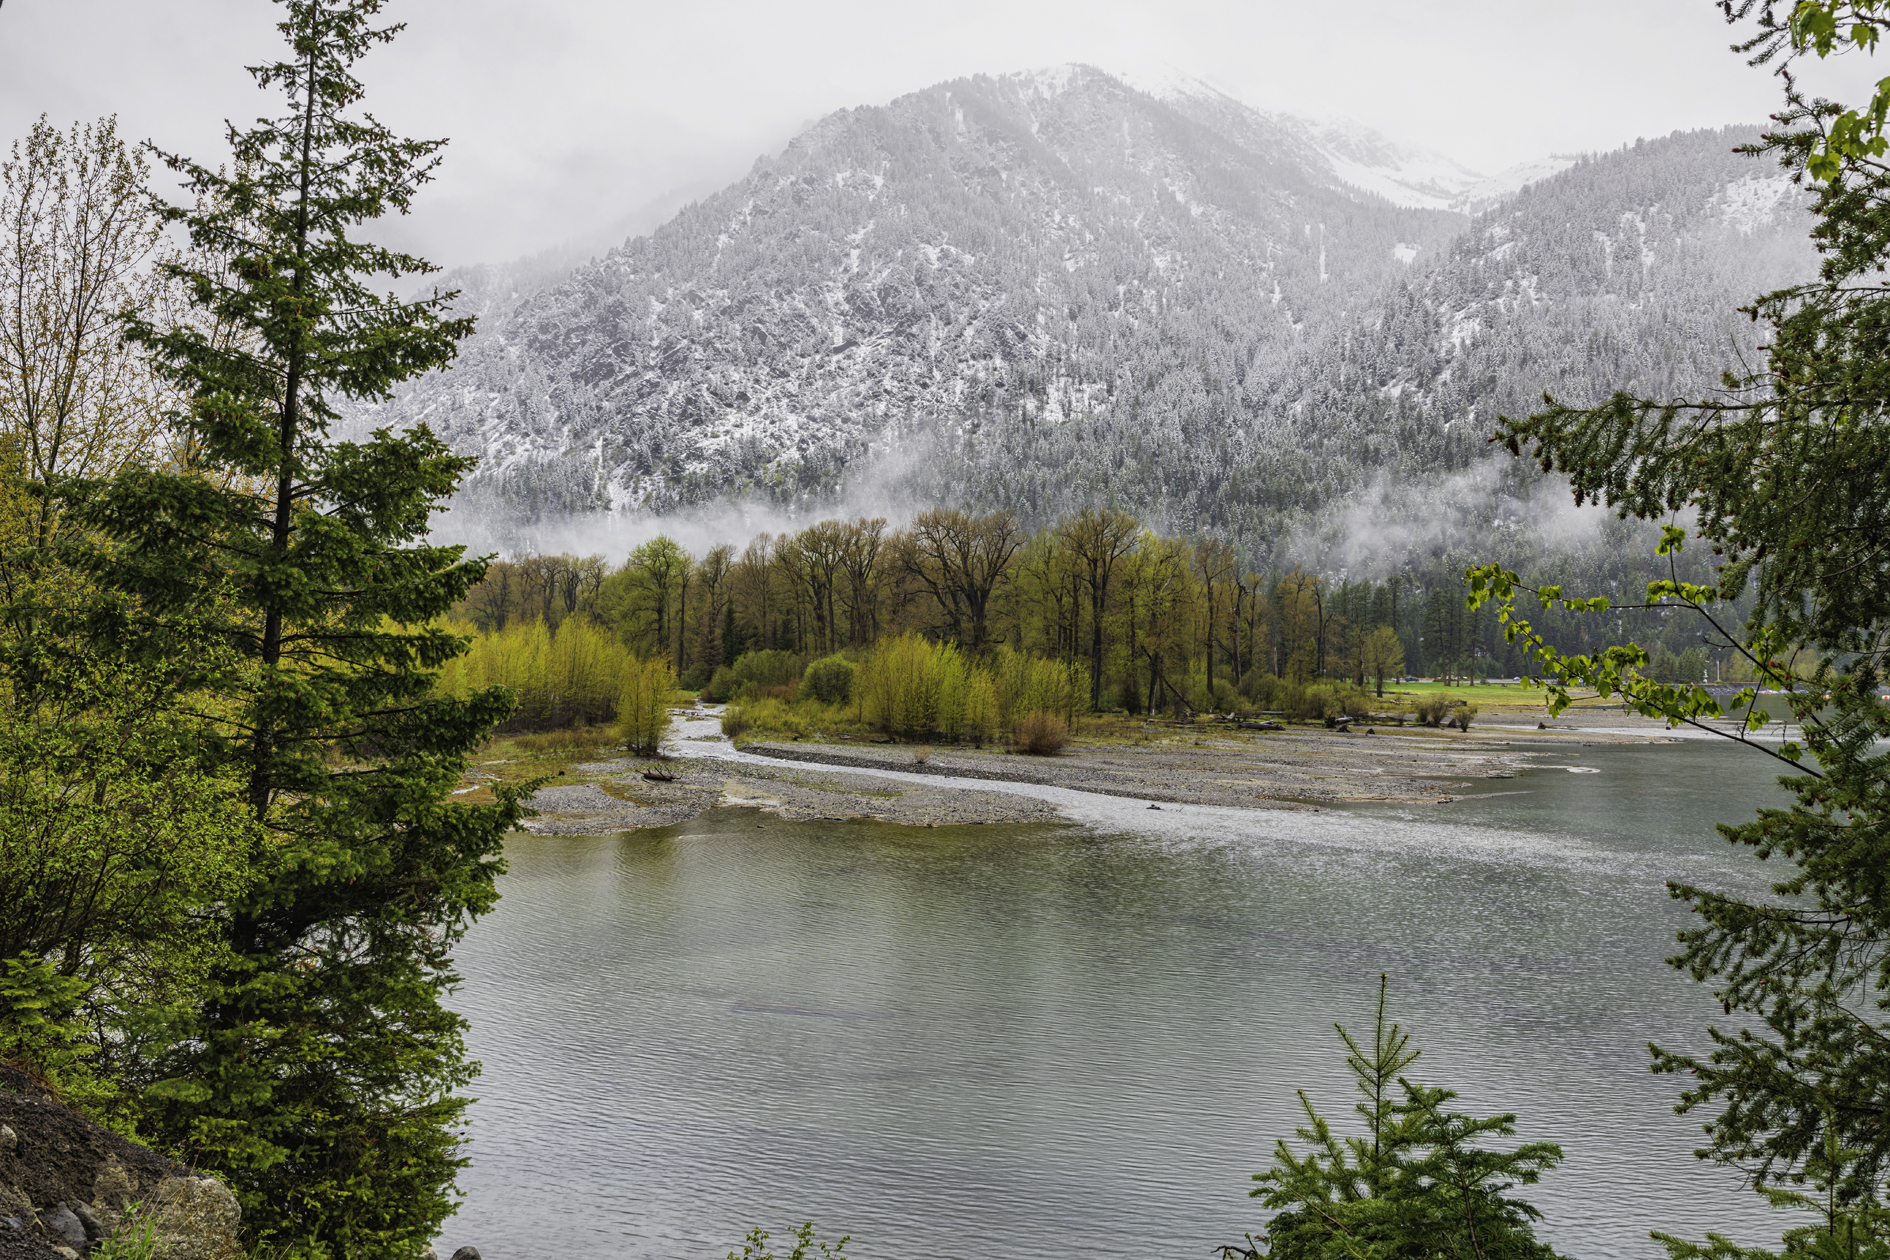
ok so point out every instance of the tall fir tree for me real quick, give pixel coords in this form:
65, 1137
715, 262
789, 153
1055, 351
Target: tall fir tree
321, 1072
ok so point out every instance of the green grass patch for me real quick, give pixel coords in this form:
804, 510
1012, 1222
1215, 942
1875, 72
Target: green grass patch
1512, 695
547, 755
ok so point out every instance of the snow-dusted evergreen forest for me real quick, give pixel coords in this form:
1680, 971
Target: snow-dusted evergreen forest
1042, 291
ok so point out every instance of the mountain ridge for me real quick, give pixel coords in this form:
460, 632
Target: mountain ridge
1002, 290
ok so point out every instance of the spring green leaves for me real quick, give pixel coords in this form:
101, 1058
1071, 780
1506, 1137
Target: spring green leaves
1824, 28
1618, 670
643, 705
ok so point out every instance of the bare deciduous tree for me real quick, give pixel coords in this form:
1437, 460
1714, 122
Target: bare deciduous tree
1097, 539
76, 235
962, 559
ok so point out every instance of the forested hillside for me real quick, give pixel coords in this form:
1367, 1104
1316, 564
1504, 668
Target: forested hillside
1624, 272
1038, 292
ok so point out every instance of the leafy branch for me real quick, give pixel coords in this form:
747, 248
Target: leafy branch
1617, 670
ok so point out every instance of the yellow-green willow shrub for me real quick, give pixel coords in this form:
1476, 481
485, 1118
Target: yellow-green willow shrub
583, 673
981, 707
913, 688
1034, 684
570, 677
643, 704
898, 687
953, 673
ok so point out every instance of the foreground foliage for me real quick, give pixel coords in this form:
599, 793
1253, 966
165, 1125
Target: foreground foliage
1414, 1185
756, 1246
315, 1066
1782, 475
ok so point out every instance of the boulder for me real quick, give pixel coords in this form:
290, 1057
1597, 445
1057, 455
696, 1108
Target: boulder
65, 1184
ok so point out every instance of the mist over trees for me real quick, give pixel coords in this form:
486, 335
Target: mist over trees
1125, 358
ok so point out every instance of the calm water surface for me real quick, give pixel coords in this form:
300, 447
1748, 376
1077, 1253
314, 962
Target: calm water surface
1082, 1039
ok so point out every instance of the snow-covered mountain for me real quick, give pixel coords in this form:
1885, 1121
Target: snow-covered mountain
1348, 152
1054, 288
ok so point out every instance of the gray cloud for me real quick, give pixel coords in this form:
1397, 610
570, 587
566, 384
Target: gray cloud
567, 115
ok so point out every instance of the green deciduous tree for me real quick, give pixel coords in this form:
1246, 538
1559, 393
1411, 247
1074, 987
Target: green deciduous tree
115, 847
643, 705
320, 1070
1416, 1184
1382, 655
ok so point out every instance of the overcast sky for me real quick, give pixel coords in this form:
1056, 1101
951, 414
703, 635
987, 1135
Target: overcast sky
568, 116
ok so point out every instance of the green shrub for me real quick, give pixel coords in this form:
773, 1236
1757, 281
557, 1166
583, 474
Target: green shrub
1033, 684
767, 716
768, 668
643, 706
829, 680
1304, 702
1444, 710
913, 688
752, 673
899, 687
722, 685
567, 678
755, 1247
570, 740
981, 708
695, 678
735, 721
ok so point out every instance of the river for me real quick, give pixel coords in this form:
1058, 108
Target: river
1083, 1038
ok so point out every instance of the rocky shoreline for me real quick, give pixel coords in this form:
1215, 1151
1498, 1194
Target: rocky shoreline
797, 794
66, 1184
1297, 769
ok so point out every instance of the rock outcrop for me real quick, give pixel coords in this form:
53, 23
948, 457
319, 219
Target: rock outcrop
66, 1184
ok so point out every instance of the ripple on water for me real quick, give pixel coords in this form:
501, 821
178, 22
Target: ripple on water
1026, 1041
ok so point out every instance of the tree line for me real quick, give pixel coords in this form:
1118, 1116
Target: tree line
1159, 621
232, 873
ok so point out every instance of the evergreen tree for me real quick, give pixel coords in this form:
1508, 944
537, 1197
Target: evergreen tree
1413, 1186
319, 1073
1784, 475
